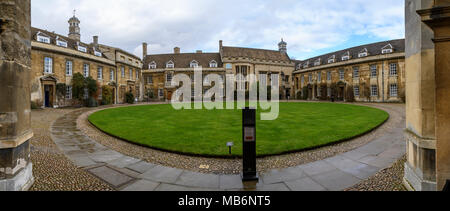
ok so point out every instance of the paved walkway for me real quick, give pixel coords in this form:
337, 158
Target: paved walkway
130, 174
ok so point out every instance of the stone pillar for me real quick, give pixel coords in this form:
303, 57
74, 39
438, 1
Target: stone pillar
15, 116
438, 19
420, 168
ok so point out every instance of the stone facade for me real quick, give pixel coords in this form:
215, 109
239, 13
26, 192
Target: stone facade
229, 60
15, 115
56, 58
367, 74
428, 107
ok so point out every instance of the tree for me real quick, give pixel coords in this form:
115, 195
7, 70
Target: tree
106, 95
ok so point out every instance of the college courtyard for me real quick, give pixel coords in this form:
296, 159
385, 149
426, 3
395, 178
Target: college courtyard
368, 118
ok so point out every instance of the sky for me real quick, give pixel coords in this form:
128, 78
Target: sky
310, 27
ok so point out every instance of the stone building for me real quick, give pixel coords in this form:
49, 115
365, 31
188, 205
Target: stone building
158, 70
373, 72
56, 58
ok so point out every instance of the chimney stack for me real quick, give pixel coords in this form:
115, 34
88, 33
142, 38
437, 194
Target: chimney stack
176, 50
220, 44
95, 40
144, 50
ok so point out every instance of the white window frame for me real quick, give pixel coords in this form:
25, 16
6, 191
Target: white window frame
43, 39
48, 65
387, 49
61, 43
111, 75
213, 64
161, 92
310, 78
364, 54
374, 90
356, 91
319, 77
228, 66
86, 70
122, 72
332, 59
97, 53
152, 65
137, 75
100, 73
373, 71
130, 73
393, 69
150, 79
170, 65
356, 72
345, 58
329, 77
68, 92
193, 64
341, 75
393, 90
69, 68
169, 77
82, 49
317, 62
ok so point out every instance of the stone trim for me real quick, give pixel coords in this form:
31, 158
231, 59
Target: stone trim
354, 62
70, 52
15, 142
21, 182
420, 141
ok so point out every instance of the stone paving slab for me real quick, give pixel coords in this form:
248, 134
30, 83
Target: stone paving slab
171, 187
141, 167
162, 174
336, 180
192, 179
123, 162
142, 185
305, 184
282, 175
111, 176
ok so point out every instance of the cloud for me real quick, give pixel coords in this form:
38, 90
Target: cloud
307, 26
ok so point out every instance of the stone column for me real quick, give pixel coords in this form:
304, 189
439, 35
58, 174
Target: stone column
15, 119
420, 169
438, 19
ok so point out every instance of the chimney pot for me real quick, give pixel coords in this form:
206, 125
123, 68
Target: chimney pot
144, 50
95, 40
176, 50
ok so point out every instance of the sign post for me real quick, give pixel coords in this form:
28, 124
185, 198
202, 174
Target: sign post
249, 144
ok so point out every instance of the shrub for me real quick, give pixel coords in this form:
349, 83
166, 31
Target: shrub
78, 86
305, 93
350, 95
34, 105
299, 95
129, 98
92, 102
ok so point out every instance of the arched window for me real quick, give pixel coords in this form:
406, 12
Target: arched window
213, 64
170, 64
152, 65
194, 64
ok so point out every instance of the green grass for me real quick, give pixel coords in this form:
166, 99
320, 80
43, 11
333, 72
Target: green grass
300, 126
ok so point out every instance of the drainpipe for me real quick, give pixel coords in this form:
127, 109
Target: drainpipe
382, 80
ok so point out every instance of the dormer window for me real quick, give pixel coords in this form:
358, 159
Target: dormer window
306, 65
387, 49
332, 59
42, 38
346, 56
152, 65
170, 64
97, 53
363, 53
194, 64
213, 64
61, 42
317, 62
82, 49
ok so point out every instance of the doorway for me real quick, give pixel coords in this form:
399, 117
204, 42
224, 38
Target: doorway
48, 96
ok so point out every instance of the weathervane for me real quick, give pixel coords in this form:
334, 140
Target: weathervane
74, 13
